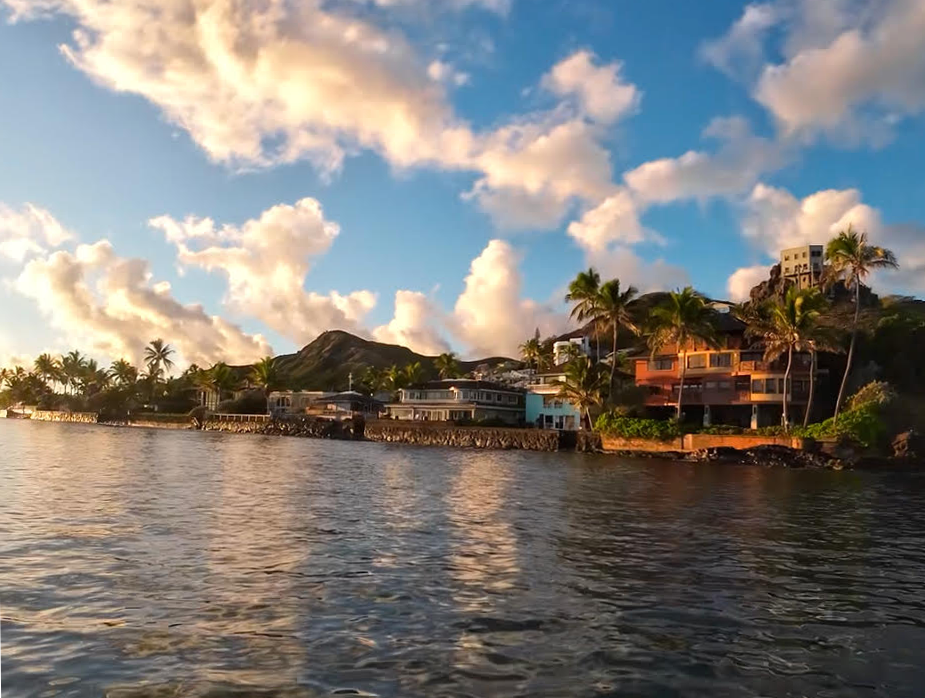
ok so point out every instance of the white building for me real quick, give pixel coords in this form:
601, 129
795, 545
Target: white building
566, 349
802, 265
459, 399
294, 401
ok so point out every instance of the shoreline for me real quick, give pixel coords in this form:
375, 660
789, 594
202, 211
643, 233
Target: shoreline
755, 451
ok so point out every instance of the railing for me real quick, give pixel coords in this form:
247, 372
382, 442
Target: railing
240, 417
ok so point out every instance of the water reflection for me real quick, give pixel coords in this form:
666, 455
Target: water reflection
150, 563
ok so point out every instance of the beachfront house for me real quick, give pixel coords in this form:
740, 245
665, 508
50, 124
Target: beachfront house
294, 401
545, 409
345, 405
459, 400
732, 384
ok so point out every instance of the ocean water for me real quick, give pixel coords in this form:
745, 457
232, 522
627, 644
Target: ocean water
139, 562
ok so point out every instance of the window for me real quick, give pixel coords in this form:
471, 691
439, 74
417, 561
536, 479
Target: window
661, 364
720, 360
804, 255
710, 385
758, 386
697, 361
725, 385
786, 257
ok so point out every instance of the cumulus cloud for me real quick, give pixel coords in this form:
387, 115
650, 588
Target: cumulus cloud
737, 164
266, 261
614, 220
742, 281
415, 324
775, 219
112, 305
621, 262
28, 231
600, 90
848, 69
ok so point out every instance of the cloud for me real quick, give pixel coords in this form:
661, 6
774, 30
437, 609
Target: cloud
848, 69
738, 163
29, 231
620, 262
490, 316
614, 220
415, 324
265, 262
775, 219
742, 281
600, 91
111, 304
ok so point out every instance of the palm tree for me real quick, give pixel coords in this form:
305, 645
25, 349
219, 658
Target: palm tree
613, 308
157, 357
46, 366
785, 329
683, 318
531, 350
123, 372
395, 377
265, 375
582, 385
851, 259
414, 373
583, 292
72, 365
818, 338
222, 378
447, 365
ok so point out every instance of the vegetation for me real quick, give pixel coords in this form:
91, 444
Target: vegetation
615, 424
613, 307
447, 365
851, 259
265, 375
583, 293
582, 385
682, 320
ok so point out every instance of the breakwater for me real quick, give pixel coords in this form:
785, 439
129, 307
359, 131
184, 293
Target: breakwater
306, 427
73, 417
435, 434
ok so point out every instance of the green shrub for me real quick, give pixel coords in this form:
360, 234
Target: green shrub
615, 424
722, 430
864, 425
874, 393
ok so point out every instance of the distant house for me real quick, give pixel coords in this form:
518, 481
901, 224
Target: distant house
803, 266
544, 407
566, 349
345, 405
459, 399
294, 401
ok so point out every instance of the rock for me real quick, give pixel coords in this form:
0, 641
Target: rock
909, 445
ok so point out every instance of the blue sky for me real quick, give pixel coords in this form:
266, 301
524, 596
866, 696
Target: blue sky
472, 154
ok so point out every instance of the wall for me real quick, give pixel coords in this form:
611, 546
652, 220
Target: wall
75, 417
307, 427
618, 443
698, 442
431, 434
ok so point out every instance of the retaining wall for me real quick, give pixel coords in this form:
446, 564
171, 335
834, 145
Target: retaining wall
55, 416
308, 427
699, 442
431, 434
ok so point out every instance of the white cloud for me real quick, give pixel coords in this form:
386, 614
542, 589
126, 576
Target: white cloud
29, 231
620, 262
490, 316
776, 219
111, 305
600, 91
614, 220
266, 261
415, 324
440, 71
742, 281
738, 163
849, 68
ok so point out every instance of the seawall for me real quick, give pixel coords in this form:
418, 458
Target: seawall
74, 417
690, 443
307, 427
436, 434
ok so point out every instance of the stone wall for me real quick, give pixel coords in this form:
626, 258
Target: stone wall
307, 427
55, 416
618, 443
431, 434
699, 442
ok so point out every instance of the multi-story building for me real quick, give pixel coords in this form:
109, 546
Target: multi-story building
545, 408
566, 349
729, 385
459, 399
802, 265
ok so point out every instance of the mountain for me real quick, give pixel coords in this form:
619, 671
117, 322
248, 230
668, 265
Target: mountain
325, 363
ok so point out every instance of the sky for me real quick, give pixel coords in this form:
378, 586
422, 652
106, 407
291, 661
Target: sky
237, 176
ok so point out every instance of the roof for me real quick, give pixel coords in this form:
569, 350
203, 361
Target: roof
464, 383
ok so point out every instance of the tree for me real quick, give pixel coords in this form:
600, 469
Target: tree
395, 378
531, 350
683, 318
222, 378
583, 292
72, 365
265, 375
157, 357
785, 328
582, 385
414, 373
851, 259
46, 366
613, 308
818, 338
123, 372
447, 365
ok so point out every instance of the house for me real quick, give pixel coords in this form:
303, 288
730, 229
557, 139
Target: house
294, 401
732, 384
459, 399
345, 405
565, 349
802, 266
544, 407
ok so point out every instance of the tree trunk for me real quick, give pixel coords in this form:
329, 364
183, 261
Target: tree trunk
854, 336
812, 388
683, 360
613, 360
787, 387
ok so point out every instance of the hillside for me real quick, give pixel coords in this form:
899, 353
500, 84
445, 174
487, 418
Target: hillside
325, 363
